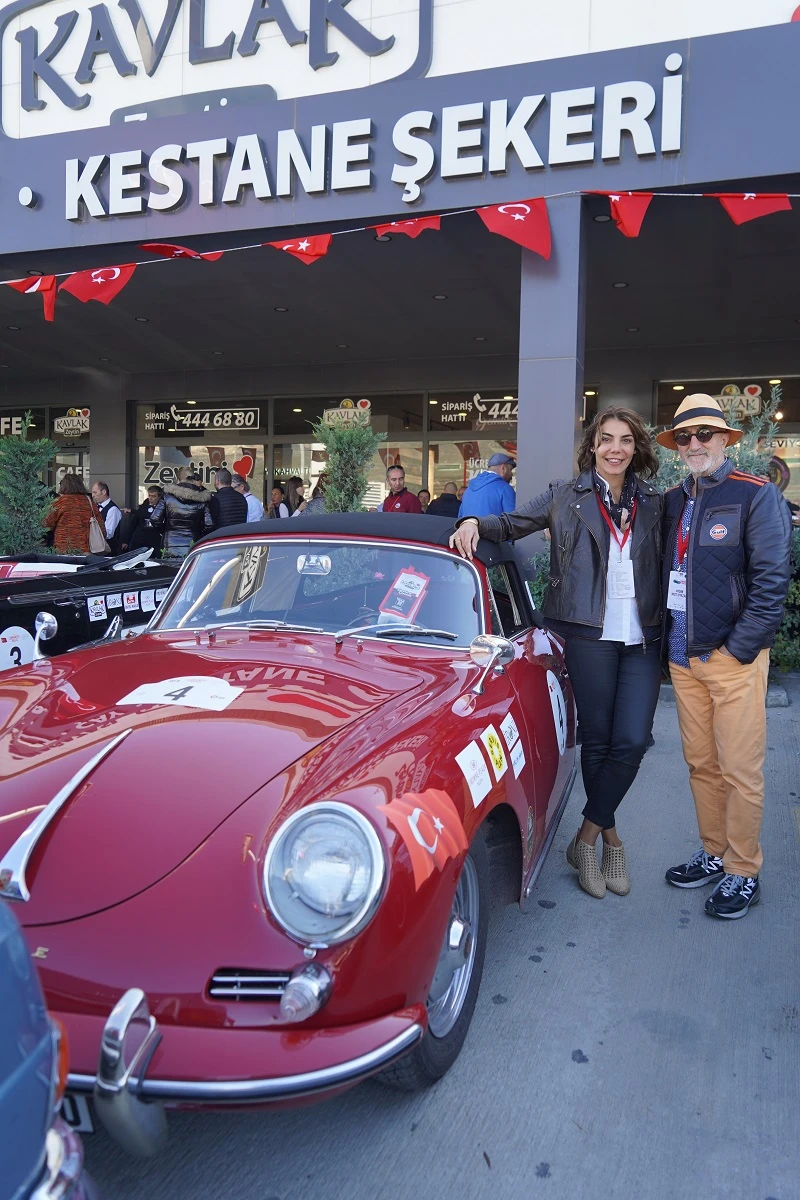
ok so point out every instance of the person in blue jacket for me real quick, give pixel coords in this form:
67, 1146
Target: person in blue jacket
490, 493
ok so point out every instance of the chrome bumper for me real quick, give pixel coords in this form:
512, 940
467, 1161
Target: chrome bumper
131, 1106
64, 1176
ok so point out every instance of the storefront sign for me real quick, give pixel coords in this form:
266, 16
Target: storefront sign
75, 424
477, 413
178, 418
348, 411
741, 403
12, 425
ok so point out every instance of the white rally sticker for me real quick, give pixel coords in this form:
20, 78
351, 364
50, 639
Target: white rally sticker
148, 600
97, 608
508, 728
473, 766
187, 691
16, 647
160, 594
114, 601
497, 755
559, 710
131, 601
517, 759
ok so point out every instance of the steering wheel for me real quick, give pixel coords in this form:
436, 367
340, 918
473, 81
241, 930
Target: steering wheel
362, 617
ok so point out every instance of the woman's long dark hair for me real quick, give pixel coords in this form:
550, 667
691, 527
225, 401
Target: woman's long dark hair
644, 461
293, 498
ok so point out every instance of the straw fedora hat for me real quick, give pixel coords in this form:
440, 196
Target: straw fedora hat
698, 409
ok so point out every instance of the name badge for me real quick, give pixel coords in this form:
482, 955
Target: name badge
676, 596
620, 580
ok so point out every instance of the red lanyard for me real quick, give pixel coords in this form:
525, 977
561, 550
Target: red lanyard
612, 526
683, 539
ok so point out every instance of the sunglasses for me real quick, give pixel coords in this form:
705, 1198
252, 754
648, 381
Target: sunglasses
703, 435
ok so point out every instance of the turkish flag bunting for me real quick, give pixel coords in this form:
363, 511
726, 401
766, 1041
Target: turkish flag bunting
746, 206
431, 829
525, 222
103, 284
628, 210
168, 250
307, 249
412, 229
45, 285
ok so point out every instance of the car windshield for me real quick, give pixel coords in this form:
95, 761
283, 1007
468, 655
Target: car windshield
327, 587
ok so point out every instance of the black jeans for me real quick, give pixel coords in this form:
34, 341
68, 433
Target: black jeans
616, 692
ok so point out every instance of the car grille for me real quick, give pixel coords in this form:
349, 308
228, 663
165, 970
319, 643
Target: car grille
241, 983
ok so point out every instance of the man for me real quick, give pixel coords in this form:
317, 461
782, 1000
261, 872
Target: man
424, 497
446, 504
725, 579
490, 493
255, 509
227, 506
111, 513
400, 499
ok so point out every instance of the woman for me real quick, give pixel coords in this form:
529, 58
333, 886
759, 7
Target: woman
277, 506
316, 505
145, 531
187, 515
604, 599
295, 499
69, 516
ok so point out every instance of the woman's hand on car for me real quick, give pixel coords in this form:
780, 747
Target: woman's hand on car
465, 538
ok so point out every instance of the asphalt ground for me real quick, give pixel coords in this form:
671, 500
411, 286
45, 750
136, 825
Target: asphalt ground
625, 1049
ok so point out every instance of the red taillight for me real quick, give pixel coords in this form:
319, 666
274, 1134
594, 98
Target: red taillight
62, 1060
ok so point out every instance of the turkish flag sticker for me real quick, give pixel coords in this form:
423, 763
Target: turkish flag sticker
411, 229
169, 250
431, 830
746, 206
307, 249
45, 285
525, 222
103, 284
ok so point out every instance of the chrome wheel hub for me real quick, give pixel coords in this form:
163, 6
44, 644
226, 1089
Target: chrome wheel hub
454, 968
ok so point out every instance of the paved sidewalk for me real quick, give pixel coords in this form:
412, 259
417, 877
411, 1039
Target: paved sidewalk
625, 1049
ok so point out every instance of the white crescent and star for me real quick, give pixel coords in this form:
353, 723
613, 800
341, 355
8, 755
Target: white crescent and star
100, 276
302, 246
515, 216
413, 824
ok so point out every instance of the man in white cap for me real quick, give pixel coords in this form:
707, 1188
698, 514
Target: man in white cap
726, 575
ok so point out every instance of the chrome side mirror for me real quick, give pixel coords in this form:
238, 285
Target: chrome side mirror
46, 627
491, 653
114, 630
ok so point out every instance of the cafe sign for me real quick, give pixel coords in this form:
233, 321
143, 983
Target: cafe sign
349, 412
75, 424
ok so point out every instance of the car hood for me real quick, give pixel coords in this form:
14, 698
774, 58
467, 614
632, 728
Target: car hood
180, 772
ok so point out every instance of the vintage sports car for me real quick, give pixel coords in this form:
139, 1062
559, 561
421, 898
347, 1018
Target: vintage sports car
255, 846
81, 595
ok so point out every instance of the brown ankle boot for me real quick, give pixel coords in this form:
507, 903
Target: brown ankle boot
584, 859
614, 870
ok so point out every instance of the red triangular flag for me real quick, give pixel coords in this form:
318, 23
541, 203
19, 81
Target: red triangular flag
103, 284
525, 222
746, 206
45, 285
412, 229
307, 249
168, 250
628, 210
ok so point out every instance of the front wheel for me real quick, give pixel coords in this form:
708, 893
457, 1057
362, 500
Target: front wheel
456, 982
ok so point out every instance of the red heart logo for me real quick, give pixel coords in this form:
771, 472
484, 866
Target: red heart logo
244, 466
753, 389
364, 404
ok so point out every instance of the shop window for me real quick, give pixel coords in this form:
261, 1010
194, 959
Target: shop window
160, 464
390, 414
489, 413
458, 462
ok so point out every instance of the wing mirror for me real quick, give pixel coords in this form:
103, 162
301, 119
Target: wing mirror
491, 653
46, 628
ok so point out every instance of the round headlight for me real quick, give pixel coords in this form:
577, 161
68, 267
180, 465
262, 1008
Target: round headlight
323, 873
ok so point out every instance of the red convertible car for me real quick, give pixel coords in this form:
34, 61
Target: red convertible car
254, 849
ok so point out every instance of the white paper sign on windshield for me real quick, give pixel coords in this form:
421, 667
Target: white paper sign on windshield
186, 691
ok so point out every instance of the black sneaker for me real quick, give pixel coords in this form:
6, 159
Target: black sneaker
733, 896
701, 869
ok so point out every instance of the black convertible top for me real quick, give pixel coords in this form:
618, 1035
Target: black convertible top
404, 527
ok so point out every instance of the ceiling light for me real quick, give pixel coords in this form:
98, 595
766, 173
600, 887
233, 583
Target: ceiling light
342, 346
774, 382
601, 218
678, 387
280, 308
105, 360
33, 271
297, 410
440, 296
508, 397
218, 353
590, 393
778, 416
142, 320
433, 401
14, 328
191, 402
3, 366
631, 328
619, 284
383, 237
479, 339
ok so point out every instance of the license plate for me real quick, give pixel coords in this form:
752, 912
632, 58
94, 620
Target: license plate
77, 1112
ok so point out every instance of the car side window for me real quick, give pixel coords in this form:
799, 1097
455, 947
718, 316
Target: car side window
511, 615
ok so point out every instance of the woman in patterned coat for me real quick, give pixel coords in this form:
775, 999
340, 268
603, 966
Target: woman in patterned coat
69, 516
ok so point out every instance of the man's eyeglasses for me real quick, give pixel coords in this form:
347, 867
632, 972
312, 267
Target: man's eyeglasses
682, 438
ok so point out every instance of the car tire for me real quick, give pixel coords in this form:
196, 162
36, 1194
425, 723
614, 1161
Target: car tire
436, 1053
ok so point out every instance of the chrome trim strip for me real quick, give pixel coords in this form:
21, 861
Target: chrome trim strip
553, 829
254, 1090
13, 885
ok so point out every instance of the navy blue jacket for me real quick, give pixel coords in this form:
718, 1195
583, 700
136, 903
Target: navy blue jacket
227, 507
738, 563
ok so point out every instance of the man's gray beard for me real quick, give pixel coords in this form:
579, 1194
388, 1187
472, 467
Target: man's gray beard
709, 470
